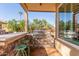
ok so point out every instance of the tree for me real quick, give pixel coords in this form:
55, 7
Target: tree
14, 26
61, 25
21, 25
18, 26
20, 13
39, 25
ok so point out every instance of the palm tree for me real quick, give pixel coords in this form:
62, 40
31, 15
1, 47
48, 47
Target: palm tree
20, 13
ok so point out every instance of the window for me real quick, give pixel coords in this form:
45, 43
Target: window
61, 21
77, 22
69, 23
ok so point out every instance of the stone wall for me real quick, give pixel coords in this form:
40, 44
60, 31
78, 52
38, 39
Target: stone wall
45, 40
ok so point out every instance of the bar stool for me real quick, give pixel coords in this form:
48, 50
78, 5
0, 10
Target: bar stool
26, 41
21, 50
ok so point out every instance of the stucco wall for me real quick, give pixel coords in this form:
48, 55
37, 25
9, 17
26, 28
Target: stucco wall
66, 48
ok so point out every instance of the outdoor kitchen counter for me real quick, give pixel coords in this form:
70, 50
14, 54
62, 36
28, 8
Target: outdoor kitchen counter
9, 41
9, 38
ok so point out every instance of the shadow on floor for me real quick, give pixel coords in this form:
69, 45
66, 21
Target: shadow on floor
44, 52
38, 52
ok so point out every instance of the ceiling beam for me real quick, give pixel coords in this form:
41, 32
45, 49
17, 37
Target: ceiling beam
24, 6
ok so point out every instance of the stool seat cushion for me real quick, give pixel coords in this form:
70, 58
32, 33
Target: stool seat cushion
21, 47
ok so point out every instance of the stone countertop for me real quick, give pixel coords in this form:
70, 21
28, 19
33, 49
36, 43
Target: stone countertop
5, 37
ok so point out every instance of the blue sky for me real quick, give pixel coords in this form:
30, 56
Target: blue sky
10, 11
66, 16
49, 16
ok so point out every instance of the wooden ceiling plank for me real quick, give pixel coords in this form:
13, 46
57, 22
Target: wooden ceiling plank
44, 7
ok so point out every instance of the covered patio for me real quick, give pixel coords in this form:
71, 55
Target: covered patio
66, 46
64, 41
45, 44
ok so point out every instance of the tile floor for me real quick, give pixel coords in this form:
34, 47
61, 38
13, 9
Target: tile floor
44, 52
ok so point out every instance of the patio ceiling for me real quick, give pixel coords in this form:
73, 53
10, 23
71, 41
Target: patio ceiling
76, 8
69, 8
40, 7
65, 8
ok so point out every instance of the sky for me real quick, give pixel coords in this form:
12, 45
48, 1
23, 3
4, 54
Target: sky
49, 16
9, 11
66, 16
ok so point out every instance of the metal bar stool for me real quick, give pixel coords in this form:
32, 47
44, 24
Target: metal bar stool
21, 50
26, 41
